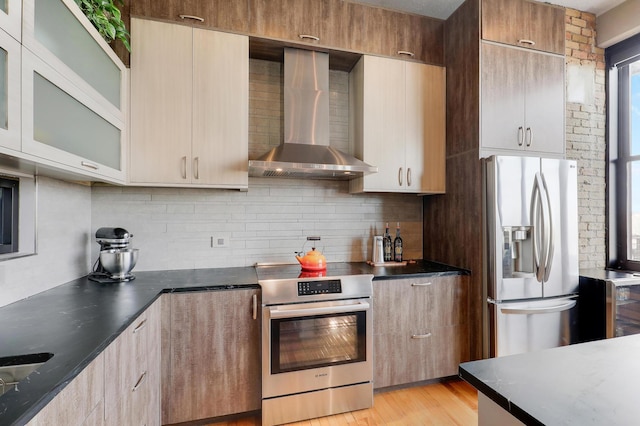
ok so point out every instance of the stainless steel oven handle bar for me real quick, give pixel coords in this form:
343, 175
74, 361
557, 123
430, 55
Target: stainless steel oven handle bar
336, 309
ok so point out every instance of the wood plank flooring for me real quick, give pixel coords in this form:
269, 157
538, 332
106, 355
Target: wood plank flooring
451, 402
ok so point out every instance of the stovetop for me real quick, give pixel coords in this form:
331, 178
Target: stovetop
291, 271
282, 284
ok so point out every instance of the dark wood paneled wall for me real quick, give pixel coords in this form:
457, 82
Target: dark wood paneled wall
453, 221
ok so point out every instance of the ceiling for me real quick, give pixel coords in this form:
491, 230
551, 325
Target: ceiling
441, 9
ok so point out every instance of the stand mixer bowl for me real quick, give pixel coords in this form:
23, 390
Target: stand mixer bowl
119, 262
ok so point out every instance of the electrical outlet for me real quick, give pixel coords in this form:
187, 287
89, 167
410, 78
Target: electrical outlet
218, 241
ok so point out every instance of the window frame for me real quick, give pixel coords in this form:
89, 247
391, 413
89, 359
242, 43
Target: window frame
619, 158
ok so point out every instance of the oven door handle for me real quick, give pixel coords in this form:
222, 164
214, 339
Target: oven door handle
335, 309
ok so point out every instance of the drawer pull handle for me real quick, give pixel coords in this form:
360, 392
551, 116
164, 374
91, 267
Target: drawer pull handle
90, 165
309, 37
184, 167
195, 18
140, 326
525, 41
196, 167
400, 176
255, 306
140, 381
520, 136
529, 140
420, 284
406, 52
420, 336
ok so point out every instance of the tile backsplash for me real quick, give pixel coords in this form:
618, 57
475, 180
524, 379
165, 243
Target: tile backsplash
173, 227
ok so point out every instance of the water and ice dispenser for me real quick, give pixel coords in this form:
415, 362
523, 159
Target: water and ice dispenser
517, 251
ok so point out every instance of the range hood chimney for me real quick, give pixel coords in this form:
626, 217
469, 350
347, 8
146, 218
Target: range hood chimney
305, 152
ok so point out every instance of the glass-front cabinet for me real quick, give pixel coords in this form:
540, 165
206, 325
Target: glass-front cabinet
11, 17
9, 94
73, 93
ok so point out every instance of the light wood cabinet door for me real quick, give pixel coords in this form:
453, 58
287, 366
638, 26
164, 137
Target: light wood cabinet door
80, 402
425, 106
214, 355
220, 109
132, 372
524, 23
420, 329
189, 106
522, 101
161, 102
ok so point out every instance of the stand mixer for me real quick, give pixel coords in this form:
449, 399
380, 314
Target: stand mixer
116, 259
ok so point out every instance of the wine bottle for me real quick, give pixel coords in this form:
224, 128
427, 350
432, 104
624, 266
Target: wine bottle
388, 245
397, 245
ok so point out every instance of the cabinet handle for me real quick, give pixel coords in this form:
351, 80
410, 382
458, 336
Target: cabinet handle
140, 381
520, 136
90, 165
407, 53
420, 284
409, 176
400, 176
196, 169
184, 167
420, 336
193, 17
309, 37
530, 138
255, 306
525, 41
140, 326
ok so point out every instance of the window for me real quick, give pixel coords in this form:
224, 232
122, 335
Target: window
623, 63
9, 215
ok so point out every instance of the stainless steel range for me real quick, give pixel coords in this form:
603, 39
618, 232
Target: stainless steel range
316, 342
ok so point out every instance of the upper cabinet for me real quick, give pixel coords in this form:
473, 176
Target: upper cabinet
73, 93
11, 17
522, 101
524, 23
189, 106
10, 121
220, 14
398, 124
331, 24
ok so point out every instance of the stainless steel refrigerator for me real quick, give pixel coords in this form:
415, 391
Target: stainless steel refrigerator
531, 254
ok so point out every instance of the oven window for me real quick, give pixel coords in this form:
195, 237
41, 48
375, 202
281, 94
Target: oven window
317, 341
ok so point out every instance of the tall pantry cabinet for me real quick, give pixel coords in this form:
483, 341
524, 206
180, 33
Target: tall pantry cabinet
505, 74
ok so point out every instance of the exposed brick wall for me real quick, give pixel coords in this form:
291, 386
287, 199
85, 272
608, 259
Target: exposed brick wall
585, 134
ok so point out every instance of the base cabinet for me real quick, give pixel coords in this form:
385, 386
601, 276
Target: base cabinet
132, 373
80, 403
420, 330
212, 342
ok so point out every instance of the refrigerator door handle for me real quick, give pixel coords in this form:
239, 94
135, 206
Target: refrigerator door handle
548, 227
545, 310
541, 221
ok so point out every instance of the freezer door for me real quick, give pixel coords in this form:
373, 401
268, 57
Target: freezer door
561, 266
530, 326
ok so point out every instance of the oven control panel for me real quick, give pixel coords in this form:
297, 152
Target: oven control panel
309, 288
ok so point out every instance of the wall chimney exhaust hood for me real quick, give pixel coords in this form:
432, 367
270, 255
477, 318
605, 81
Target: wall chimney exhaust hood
305, 152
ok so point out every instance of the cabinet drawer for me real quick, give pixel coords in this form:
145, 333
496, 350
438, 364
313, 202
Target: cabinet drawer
420, 355
401, 305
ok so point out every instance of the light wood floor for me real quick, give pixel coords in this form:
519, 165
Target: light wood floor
452, 402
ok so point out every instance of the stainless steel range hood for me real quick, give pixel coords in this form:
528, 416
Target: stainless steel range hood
305, 152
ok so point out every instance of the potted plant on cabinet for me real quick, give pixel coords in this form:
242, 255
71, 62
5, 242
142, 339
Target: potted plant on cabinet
107, 19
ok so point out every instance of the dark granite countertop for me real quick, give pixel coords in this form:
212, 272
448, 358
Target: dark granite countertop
594, 383
76, 321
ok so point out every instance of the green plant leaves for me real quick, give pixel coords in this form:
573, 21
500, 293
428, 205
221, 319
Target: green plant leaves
107, 19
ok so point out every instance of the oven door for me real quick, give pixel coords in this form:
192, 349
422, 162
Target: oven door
317, 345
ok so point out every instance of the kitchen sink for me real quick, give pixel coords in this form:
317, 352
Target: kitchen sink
14, 369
